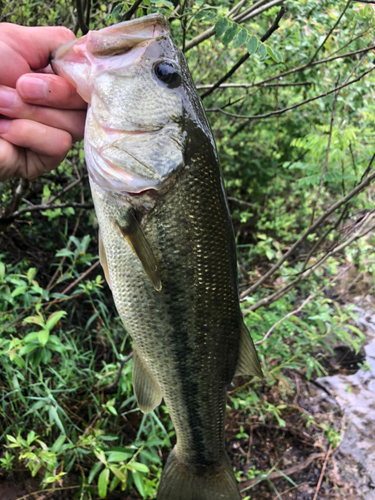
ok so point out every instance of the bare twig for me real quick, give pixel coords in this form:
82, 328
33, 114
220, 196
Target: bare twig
322, 472
330, 31
296, 311
280, 293
17, 198
118, 376
311, 229
327, 155
239, 63
364, 1
297, 105
45, 206
81, 18
237, 18
251, 85
286, 472
48, 490
75, 282
132, 10
67, 188
241, 202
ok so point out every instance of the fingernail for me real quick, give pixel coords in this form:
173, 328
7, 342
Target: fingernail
4, 125
31, 87
7, 98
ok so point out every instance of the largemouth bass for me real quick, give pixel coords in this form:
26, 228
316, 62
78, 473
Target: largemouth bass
166, 240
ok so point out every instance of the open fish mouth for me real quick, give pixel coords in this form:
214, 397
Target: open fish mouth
130, 75
76, 57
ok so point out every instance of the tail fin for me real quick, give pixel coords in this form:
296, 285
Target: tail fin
178, 482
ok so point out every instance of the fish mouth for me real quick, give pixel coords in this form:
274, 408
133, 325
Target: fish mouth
116, 39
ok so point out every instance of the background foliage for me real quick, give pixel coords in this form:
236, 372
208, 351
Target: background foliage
67, 410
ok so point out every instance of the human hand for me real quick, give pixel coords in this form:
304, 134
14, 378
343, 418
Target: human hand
40, 113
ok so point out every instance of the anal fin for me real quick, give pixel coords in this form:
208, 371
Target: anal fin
137, 241
146, 389
103, 260
248, 362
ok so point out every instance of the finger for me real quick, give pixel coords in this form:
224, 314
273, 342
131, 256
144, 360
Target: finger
40, 138
12, 106
16, 161
49, 90
24, 49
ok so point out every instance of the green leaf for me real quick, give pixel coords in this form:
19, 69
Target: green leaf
139, 467
43, 337
58, 443
240, 38
262, 51
252, 44
278, 55
271, 53
28, 348
30, 337
103, 483
37, 320
54, 318
2, 271
221, 26
94, 470
54, 417
118, 456
230, 34
138, 481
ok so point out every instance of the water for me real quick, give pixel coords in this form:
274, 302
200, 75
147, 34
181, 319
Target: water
355, 394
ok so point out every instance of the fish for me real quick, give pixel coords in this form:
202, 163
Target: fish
166, 240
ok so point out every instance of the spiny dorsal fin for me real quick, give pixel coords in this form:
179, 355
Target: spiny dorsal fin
103, 260
146, 389
136, 238
248, 362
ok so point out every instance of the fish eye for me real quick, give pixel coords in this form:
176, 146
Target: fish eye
168, 74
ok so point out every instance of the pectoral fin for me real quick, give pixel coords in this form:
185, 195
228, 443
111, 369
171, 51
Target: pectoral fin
136, 238
248, 363
103, 260
146, 389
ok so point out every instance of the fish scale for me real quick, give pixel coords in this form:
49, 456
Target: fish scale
166, 242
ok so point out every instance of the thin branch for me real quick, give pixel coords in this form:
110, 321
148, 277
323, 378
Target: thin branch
315, 63
236, 8
211, 31
241, 202
81, 18
327, 156
118, 376
260, 10
88, 13
364, 1
296, 311
250, 85
132, 10
287, 472
297, 105
67, 188
323, 470
17, 198
310, 230
330, 31
45, 206
280, 293
239, 63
